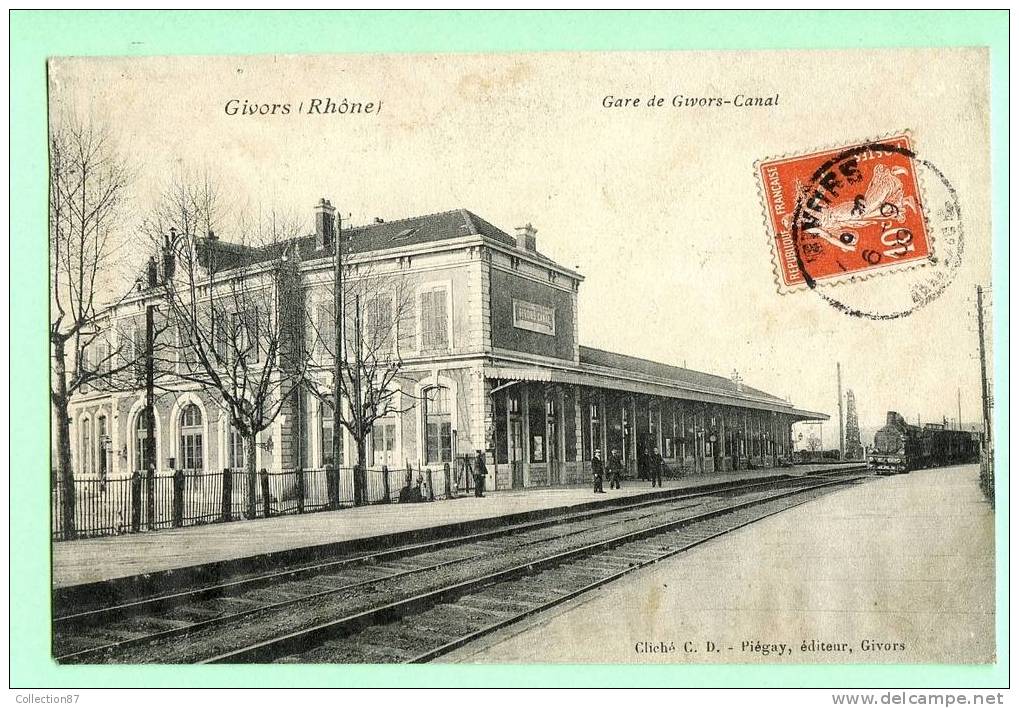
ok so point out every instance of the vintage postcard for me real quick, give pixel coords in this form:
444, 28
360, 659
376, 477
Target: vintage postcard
628, 358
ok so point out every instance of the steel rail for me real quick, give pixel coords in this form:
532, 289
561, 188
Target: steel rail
566, 597
84, 655
267, 650
158, 602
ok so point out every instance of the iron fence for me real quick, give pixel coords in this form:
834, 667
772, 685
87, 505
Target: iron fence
139, 502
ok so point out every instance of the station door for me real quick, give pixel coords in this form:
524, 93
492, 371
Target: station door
516, 453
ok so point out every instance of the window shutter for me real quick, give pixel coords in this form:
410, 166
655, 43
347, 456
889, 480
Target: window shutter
442, 335
254, 335
426, 320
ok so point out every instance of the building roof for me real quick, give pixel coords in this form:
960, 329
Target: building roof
600, 368
412, 231
676, 374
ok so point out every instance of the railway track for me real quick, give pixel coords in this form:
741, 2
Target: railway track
264, 616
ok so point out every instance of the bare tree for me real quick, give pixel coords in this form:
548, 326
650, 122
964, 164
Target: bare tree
232, 310
87, 193
359, 328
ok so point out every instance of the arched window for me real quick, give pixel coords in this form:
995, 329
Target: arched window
236, 456
383, 446
438, 427
86, 446
328, 437
141, 430
191, 437
104, 443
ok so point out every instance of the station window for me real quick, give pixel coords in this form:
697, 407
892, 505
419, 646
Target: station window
594, 423
328, 454
673, 433
536, 416
653, 425
246, 336
324, 336
434, 319
103, 355
191, 438
141, 431
551, 428
137, 352
186, 358
236, 457
102, 433
625, 452
86, 446
438, 426
384, 443
377, 324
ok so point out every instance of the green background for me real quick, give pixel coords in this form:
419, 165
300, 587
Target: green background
36, 35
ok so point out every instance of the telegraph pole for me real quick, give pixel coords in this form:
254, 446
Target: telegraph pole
338, 346
359, 485
984, 394
150, 417
842, 431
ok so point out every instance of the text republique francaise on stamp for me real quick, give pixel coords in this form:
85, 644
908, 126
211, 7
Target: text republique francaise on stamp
838, 214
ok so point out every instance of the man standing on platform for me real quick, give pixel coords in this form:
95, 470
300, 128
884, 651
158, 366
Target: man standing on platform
615, 470
597, 472
655, 465
480, 472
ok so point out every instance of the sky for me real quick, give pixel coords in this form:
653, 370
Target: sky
658, 208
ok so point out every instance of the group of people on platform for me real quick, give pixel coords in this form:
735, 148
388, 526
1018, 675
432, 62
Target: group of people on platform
615, 468
421, 491
655, 465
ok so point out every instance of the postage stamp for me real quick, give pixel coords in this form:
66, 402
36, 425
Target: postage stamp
845, 213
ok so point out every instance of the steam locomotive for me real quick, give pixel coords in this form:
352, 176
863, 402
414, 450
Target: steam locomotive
900, 447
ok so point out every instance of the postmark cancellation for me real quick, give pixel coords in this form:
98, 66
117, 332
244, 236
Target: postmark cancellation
845, 213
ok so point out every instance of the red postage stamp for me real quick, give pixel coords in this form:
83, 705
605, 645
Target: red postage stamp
844, 213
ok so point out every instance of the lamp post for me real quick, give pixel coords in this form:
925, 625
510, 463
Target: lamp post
150, 417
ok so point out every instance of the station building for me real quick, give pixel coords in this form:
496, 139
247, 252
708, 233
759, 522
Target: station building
493, 362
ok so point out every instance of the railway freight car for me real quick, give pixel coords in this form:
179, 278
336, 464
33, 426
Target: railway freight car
900, 447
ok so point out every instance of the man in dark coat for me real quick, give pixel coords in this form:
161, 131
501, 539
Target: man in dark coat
480, 472
655, 467
615, 470
597, 472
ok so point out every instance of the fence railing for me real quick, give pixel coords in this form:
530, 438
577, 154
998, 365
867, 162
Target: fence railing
141, 502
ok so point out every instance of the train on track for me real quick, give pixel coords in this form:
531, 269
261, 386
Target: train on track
900, 447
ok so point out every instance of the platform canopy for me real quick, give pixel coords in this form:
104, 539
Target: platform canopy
617, 379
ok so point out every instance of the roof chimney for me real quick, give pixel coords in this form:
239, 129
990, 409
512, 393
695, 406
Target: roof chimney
325, 223
525, 237
169, 257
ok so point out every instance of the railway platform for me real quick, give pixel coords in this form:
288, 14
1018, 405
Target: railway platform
899, 570
211, 550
